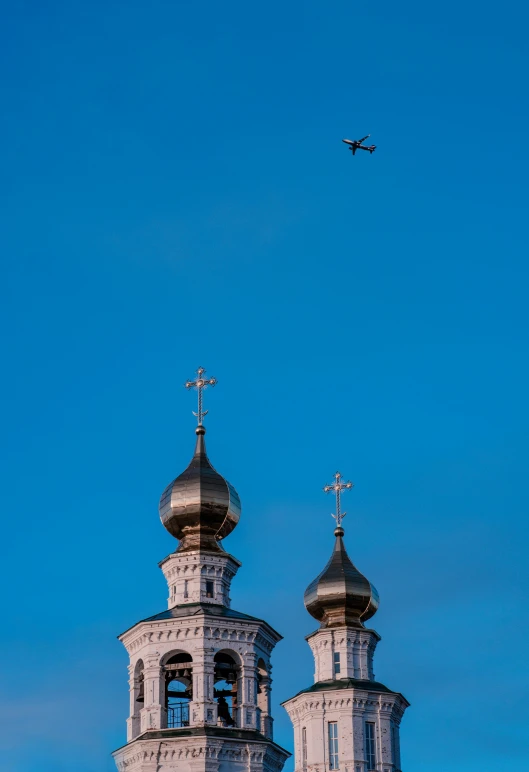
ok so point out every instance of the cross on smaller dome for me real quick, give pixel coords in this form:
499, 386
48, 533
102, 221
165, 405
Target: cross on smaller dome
340, 595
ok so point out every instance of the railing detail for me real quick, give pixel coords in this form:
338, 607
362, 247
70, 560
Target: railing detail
178, 715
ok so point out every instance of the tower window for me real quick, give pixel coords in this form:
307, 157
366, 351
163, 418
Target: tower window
304, 747
336, 662
186, 588
333, 745
371, 750
209, 589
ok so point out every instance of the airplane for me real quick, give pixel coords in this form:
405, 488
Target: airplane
356, 144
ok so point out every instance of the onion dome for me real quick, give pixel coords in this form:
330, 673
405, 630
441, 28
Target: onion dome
341, 595
200, 507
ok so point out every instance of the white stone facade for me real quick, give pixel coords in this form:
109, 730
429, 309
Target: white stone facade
200, 625
162, 753
349, 647
347, 704
151, 644
189, 573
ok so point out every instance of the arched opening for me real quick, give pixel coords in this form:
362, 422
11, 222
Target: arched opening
178, 689
227, 672
137, 700
263, 696
139, 686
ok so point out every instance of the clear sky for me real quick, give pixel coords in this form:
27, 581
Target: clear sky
174, 193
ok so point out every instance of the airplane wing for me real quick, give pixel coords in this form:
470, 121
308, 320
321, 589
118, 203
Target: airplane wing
364, 138
353, 149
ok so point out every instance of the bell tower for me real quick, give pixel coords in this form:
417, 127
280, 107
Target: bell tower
346, 720
200, 672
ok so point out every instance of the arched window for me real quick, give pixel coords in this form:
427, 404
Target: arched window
139, 686
178, 689
137, 699
227, 673
263, 694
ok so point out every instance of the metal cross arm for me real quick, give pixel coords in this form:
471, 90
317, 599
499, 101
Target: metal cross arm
337, 487
200, 384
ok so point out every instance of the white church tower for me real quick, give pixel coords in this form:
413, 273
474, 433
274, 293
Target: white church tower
346, 720
200, 672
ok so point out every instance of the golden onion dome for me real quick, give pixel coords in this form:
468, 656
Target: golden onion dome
341, 595
200, 507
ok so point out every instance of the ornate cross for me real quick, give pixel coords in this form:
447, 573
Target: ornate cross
338, 486
200, 384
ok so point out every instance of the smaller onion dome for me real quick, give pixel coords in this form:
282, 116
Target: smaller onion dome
200, 507
341, 595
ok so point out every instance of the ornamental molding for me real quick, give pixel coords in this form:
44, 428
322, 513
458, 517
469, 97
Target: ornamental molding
178, 749
197, 557
326, 640
203, 568
392, 705
175, 630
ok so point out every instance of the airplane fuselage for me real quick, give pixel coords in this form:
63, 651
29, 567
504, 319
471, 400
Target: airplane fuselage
355, 145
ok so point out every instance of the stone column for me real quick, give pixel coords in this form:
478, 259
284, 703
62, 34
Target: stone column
247, 699
355, 659
370, 654
358, 738
133, 721
345, 740
153, 714
384, 746
321, 643
203, 708
395, 730
365, 665
317, 739
361, 646
263, 701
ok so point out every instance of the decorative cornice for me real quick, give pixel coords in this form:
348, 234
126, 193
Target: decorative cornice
174, 630
188, 557
173, 749
348, 699
339, 634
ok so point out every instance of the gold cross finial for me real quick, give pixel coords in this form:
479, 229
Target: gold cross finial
338, 486
200, 384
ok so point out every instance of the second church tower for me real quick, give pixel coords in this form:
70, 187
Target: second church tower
346, 720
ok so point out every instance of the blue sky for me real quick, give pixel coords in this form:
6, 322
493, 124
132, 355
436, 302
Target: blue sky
174, 193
